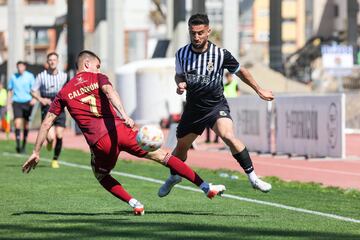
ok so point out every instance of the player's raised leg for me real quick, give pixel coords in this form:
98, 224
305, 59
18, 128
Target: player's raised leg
104, 155
127, 142
224, 128
116, 189
180, 168
180, 151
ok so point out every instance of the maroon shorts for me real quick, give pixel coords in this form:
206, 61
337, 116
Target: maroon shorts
105, 152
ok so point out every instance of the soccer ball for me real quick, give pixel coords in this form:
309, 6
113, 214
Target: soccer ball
150, 138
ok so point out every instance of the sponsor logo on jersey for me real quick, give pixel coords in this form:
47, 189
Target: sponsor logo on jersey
80, 80
197, 78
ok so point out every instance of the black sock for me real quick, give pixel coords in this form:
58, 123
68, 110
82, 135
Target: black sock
244, 160
17, 138
26, 132
57, 149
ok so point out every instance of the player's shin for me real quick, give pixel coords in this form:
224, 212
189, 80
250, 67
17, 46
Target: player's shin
58, 147
183, 158
179, 167
17, 137
243, 158
245, 162
115, 188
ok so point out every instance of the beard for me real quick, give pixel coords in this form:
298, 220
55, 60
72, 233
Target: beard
198, 46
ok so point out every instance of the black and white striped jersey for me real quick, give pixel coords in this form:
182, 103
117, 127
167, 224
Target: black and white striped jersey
48, 84
204, 74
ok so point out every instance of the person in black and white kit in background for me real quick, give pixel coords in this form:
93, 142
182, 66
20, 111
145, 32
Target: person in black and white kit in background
47, 84
199, 71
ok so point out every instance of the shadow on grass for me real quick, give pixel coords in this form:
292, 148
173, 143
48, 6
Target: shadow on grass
148, 228
120, 213
62, 213
122, 225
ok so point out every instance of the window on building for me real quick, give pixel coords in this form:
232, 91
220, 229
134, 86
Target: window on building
37, 2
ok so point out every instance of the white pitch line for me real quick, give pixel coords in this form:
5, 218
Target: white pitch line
308, 168
153, 180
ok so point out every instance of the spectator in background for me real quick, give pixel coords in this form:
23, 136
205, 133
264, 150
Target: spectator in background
231, 87
47, 84
19, 96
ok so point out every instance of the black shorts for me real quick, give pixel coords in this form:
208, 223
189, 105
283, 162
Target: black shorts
193, 121
60, 119
22, 110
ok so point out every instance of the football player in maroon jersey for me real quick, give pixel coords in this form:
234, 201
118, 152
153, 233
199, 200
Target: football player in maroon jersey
97, 109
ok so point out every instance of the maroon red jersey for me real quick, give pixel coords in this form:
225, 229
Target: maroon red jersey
88, 105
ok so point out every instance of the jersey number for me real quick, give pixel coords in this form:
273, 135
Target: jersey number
91, 101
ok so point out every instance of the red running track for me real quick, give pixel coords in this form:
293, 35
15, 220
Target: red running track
344, 173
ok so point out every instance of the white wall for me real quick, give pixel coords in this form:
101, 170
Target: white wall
148, 90
313, 126
251, 117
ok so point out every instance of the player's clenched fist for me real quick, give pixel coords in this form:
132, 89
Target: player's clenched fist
181, 88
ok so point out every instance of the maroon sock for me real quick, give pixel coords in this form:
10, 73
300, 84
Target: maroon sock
182, 169
115, 188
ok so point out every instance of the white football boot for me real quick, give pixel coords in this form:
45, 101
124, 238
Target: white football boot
261, 185
137, 206
215, 190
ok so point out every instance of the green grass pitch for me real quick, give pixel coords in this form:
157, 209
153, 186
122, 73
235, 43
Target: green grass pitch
68, 203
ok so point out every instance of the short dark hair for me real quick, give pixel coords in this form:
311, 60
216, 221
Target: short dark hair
52, 53
20, 62
85, 54
198, 19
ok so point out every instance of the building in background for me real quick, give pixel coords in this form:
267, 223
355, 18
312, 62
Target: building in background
293, 23
144, 23
41, 20
44, 21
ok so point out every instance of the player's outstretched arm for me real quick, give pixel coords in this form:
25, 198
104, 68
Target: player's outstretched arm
115, 100
247, 78
33, 160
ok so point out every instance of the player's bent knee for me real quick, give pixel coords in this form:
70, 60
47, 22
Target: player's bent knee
229, 137
100, 176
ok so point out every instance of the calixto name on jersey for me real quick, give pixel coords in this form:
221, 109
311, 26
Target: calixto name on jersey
83, 90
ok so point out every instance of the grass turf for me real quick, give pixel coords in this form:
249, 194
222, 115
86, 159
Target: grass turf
68, 203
